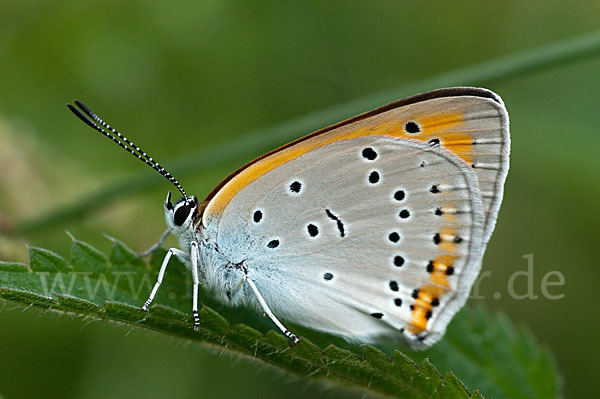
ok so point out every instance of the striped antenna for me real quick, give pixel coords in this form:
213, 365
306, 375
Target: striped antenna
104, 128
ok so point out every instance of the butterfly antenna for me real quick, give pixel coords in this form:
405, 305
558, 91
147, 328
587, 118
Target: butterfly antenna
99, 125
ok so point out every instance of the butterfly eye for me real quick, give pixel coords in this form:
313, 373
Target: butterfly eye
182, 212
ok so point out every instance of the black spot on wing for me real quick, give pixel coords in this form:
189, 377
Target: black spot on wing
369, 154
295, 187
313, 230
398, 261
430, 267
374, 177
404, 214
394, 237
412, 127
399, 195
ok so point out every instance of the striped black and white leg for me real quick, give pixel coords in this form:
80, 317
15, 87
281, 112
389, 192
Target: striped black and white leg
268, 312
157, 244
161, 274
196, 281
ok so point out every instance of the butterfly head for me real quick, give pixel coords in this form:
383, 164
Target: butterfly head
181, 215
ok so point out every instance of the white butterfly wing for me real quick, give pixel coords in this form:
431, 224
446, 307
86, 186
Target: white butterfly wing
363, 233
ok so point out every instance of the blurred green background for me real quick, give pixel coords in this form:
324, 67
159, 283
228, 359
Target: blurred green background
181, 77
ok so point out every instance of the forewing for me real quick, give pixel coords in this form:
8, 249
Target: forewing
471, 123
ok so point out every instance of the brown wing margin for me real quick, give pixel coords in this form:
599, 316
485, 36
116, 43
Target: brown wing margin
439, 93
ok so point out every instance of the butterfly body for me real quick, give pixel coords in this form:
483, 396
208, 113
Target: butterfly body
372, 227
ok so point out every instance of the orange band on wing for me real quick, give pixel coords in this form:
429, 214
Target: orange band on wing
429, 294
439, 126
448, 234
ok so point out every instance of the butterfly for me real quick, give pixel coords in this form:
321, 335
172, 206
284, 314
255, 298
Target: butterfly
373, 227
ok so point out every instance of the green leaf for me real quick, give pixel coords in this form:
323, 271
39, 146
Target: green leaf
485, 351
79, 305
122, 254
13, 267
403, 368
26, 297
43, 260
427, 379
451, 387
376, 358
214, 322
86, 257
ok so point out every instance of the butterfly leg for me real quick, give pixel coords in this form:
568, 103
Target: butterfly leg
161, 274
268, 312
196, 281
157, 244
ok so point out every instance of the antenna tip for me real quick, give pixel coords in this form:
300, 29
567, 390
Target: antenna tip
82, 106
